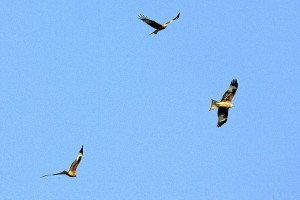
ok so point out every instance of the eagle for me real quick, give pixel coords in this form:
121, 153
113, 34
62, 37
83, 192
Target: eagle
72, 170
156, 25
224, 105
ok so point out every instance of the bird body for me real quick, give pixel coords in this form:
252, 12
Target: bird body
217, 104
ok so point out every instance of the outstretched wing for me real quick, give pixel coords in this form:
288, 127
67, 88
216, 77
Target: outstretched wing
229, 94
76, 162
60, 173
172, 19
150, 22
222, 116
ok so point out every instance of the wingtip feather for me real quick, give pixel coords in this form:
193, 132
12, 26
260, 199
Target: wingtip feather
81, 150
234, 82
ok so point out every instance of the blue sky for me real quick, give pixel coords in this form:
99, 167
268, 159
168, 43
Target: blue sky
88, 73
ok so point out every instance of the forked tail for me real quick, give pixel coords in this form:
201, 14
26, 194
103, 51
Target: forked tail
213, 104
154, 32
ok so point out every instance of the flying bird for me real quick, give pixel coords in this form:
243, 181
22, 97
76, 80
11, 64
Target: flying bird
156, 25
72, 170
224, 105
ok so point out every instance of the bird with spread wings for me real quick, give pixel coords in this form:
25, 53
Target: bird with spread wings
72, 170
156, 25
224, 105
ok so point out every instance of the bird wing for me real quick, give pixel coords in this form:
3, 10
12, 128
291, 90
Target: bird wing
76, 162
60, 173
229, 94
222, 116
172, 19
150, 22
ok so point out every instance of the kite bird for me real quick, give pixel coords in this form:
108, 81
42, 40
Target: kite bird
156, 25
72, 170
225, 104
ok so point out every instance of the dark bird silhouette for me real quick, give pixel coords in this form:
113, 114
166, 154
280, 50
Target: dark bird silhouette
156, 25
224, 105
72, 170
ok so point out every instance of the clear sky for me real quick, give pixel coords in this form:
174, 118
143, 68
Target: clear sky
87, 73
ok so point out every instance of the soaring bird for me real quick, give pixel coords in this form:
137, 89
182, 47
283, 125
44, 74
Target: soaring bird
72, 170
224, 105
156, 25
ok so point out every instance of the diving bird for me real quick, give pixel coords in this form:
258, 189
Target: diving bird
72, 170
224, 105
156, 25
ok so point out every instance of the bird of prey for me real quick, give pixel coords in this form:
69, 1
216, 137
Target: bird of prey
224, 105
156, 25
72, 170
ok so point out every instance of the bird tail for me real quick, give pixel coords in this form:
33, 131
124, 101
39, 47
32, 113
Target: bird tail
154, 32
213, 104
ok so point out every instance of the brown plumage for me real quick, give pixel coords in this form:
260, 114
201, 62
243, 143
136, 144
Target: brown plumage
224, 105
73, 167
156, 25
